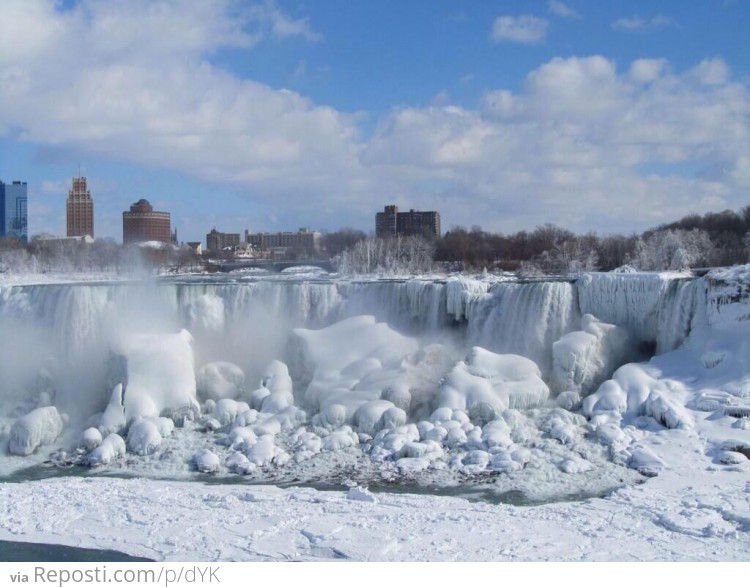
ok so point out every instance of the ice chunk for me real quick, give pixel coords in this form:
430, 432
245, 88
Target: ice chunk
219, 379
277, 401
340, 439
368, 418
361, 494
39, 427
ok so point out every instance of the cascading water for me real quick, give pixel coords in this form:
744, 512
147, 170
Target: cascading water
524, 319
383, 364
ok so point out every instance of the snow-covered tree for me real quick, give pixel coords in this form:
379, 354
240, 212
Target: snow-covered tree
394, 256
672, 249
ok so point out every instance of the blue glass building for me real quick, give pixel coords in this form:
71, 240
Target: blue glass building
14, 219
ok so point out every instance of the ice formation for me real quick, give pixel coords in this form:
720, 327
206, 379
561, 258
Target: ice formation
39, 427
160, 376
583, 359
424, 379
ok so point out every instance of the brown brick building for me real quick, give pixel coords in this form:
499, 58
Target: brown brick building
143, 223
80, 210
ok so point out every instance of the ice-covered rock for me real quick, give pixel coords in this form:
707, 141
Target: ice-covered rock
644, 460
207, 462
112, 447
160, 375
226, 410
144, 437
239, 464
584, 359
636, 389
90, 439
41, 426
276, 378
220, 379
113, 418
265, 451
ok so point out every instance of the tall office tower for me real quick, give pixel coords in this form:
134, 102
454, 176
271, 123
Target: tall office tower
143, 223
14, 220
80, 210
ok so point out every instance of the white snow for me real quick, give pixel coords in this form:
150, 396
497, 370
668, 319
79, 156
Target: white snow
374, 407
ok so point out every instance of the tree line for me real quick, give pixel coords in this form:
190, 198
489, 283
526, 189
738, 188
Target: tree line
709, 240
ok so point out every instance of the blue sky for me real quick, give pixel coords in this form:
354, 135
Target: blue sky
271, 115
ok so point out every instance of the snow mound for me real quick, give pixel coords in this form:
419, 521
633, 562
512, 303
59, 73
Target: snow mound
350, 364
41, 426
487, 383
636, 389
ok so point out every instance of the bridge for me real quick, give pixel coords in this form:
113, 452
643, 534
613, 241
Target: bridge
271, 265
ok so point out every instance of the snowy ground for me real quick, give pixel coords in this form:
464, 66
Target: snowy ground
696, 514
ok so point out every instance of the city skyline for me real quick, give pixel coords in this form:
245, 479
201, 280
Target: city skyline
268, 115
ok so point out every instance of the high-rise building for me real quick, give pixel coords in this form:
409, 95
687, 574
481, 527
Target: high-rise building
14, 220
143, 223
386, 222
284, 244
80, 210
391, 222
217, 241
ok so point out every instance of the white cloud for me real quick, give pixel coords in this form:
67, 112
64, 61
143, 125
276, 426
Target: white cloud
526, 29
581, 143
132, 81
281, 25
559, 8
638, 24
